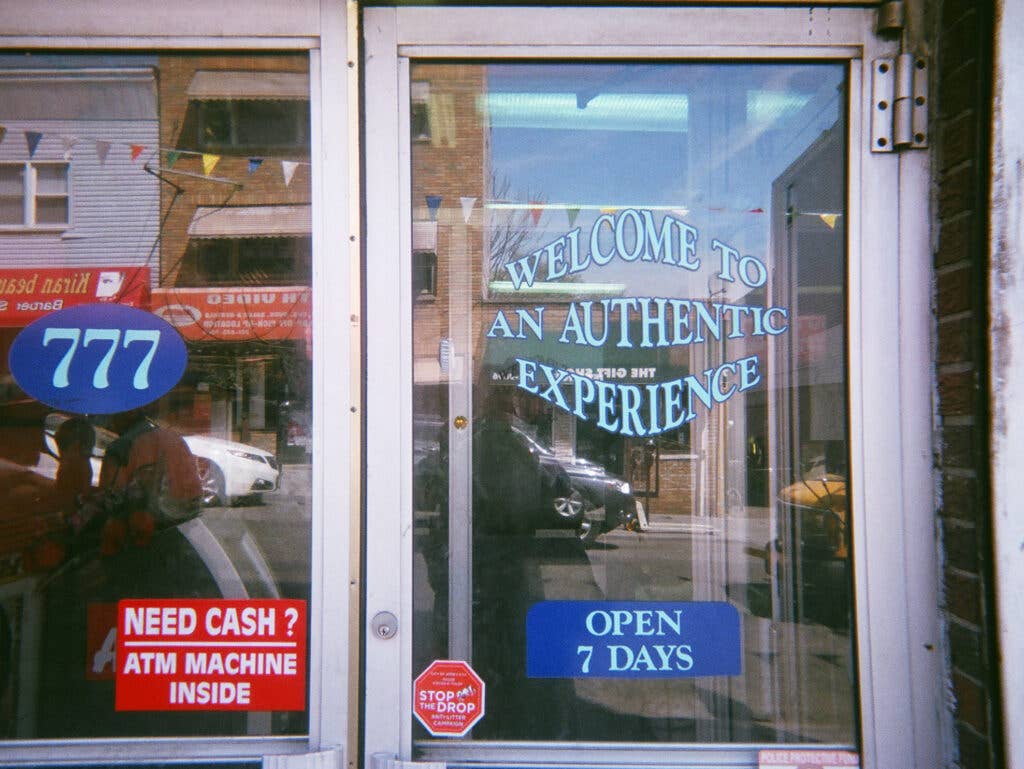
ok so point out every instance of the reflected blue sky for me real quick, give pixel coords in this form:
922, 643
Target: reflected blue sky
706, 140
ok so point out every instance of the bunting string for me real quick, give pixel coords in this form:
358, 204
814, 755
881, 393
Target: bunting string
103, 146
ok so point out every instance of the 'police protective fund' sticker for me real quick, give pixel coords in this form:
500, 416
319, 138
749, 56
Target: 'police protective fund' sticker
211, 654
632, 639
807, 759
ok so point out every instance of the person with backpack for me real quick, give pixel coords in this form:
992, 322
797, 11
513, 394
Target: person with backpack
153, 471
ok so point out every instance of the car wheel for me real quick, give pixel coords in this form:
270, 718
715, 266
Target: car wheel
589, 530
570, 507
212, 480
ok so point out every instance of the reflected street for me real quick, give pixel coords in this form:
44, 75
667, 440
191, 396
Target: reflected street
789, 668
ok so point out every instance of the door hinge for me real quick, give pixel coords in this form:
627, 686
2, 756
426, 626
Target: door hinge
899, 94
389, 761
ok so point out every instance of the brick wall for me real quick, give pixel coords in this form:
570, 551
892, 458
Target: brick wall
961, 117
266, 186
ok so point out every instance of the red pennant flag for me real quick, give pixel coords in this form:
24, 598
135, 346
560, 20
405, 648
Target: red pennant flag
137, 150
535, 211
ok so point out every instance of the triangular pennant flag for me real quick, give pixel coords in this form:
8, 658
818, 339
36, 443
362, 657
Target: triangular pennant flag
433, 203
32, 139
209, 163
288, 169
829, 219
535, 212
756, 211
172, 157
254, 164
136, 151
69, 143
102, 150
467, 208
571, 213
3, 132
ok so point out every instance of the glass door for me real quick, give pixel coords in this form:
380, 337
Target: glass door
629, 411
622, 407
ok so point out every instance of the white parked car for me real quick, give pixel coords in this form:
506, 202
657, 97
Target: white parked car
228, 470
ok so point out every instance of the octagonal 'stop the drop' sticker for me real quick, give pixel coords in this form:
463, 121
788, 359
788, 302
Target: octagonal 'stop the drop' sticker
98, 358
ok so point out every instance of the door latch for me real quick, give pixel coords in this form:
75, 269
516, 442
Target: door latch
384, 625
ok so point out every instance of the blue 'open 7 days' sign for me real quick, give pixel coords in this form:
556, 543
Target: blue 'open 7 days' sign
98, 358
632, 639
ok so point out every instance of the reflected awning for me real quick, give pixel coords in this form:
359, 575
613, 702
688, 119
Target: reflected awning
216, 85
279, 221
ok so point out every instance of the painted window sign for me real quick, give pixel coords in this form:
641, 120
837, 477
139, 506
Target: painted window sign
632, 639
635, 237
211, 654
98, 358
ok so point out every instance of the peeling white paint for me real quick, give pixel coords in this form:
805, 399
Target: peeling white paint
1006, 299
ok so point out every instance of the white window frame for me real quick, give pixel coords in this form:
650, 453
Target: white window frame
898, 633
327, 32
30, 195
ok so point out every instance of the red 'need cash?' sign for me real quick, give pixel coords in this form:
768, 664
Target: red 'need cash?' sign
448, 698
211, 655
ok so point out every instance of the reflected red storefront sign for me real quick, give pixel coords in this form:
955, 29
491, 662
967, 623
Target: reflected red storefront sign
28, 294
236, 314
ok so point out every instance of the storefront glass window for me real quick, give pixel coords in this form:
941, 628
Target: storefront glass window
155, 395
630, 414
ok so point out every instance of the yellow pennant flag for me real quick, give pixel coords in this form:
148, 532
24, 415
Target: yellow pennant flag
209, 163
829, 219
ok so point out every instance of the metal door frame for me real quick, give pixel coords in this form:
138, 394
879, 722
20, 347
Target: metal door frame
326, 31
899, 681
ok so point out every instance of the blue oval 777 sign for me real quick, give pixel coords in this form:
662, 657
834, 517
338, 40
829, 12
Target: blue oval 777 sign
98, 358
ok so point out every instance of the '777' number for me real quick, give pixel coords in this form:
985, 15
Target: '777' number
112, 336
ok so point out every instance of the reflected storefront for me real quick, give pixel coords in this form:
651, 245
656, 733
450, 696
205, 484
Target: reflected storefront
639, 287
141, 446
397, 385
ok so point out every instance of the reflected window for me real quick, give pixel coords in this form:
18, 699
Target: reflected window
424, 266
238, 111
34, 194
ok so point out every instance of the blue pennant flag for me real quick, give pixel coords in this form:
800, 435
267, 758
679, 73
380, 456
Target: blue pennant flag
32, 138
433, 203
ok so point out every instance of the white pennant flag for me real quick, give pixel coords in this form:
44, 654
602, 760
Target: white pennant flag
467, 208
102, 150
69, 143
288, 169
